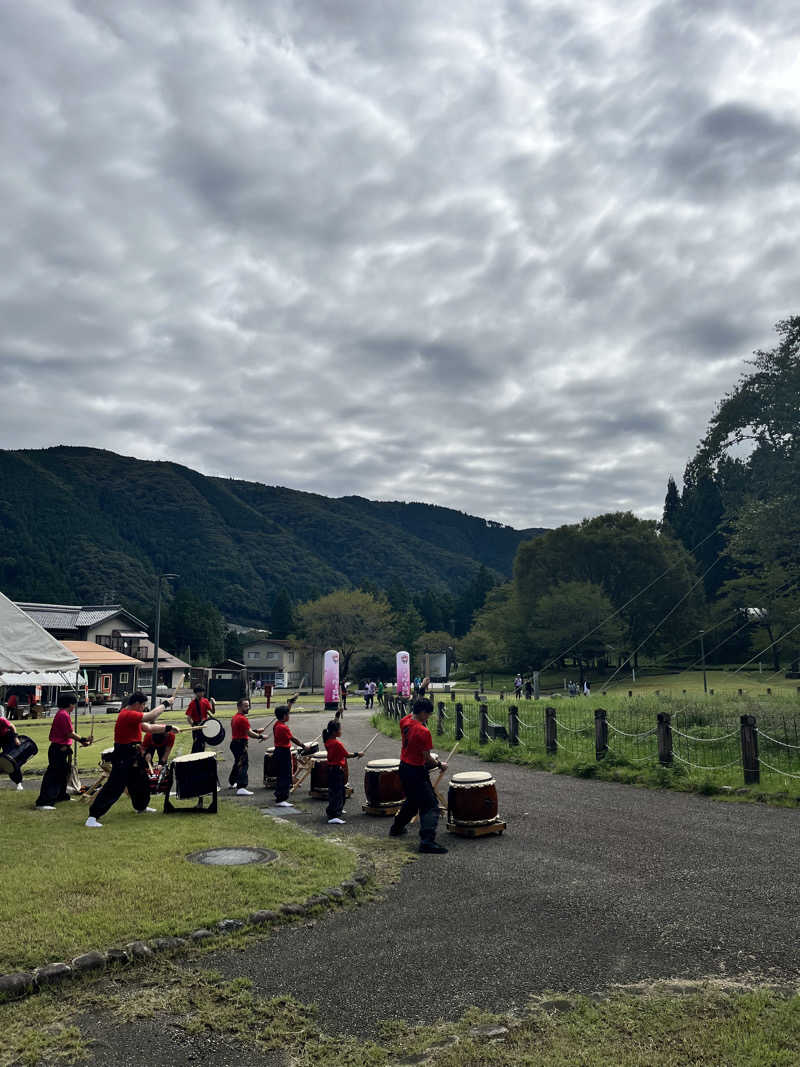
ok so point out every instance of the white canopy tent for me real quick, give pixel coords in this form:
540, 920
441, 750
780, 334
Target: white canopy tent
30, 655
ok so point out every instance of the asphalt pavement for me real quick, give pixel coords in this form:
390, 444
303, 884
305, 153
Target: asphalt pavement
592, 884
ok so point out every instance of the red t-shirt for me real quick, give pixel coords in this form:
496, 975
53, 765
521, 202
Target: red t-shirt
6, 728
163, 741
12, 702
240, 727
417, 741
337, 753
128, 729
61, 728
405, 721
282, 733
201, 713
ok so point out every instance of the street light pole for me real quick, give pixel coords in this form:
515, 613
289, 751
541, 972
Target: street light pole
703, 660
157, 638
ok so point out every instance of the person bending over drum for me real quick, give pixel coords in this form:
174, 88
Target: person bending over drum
337, 762
415, 765
158, 746
53, 789
128, 768
240, 732
282, 733
9, 740
198, 711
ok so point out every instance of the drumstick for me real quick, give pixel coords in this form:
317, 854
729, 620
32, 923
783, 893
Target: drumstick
372, 742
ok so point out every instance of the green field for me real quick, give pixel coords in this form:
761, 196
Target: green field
705, 737
68, 889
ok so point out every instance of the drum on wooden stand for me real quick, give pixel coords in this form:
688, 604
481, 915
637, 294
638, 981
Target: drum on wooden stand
194, 776
271, 770
383, 787
472, 804
319, 777
106, 759
13, 758
213, 732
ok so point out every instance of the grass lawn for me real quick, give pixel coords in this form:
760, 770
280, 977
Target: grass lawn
710, 1025
68, 889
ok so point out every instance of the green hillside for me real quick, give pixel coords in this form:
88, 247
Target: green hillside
84, 525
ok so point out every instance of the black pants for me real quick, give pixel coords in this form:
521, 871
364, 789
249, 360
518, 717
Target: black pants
241, 762
335, 792
128, 771
283, 774
54, 784
198, 741
420, 798
15, 776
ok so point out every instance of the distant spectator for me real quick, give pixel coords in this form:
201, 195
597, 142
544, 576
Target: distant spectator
12, 706
528, 690
518, 686
587, 691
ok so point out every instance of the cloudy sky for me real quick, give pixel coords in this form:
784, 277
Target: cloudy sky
502, 256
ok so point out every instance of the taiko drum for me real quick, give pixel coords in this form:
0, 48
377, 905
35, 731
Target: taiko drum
271, 771
382, 784
472, 799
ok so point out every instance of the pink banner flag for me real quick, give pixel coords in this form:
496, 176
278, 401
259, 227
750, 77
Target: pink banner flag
403, 675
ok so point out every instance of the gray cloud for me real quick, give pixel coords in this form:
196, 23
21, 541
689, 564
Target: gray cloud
499, 257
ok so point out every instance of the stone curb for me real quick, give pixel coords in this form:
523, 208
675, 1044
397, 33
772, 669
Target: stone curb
21, 984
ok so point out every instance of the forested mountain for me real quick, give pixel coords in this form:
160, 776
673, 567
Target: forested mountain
84, 525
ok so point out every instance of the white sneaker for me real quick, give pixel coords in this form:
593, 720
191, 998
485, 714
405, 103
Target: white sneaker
339, 822
244, 792
284, 804
19, 787
46, 807
152, 811
91, 821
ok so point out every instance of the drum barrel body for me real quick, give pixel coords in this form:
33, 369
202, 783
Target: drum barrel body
382, 784
195, 777
471, 802
270, 770
319, 773
13, 758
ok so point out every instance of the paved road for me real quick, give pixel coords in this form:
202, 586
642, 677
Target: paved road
591, 884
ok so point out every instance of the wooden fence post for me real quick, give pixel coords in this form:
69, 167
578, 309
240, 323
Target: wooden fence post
484, 734
440, 718
459, 721
600, 733
664, 734
513, 725
550, 731
452, 696
749, 736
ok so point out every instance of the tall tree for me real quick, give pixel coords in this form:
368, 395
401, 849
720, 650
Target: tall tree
350, 621
281, 620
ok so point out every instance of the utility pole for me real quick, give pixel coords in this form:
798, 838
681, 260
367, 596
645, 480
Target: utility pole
157, 638
703, 661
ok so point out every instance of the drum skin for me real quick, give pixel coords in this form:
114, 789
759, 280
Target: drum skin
472, 799
106, 759
270, 772
213, 731
195, 774
382, 783
319, 772
13, 758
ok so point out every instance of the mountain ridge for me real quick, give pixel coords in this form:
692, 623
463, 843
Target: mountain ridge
77, 523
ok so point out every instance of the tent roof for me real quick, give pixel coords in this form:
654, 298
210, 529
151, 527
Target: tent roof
25, 646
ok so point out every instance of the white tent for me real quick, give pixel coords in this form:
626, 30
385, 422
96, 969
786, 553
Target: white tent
30, 655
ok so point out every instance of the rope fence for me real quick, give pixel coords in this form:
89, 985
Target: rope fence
693, 739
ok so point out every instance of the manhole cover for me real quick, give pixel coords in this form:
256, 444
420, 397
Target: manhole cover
233, 857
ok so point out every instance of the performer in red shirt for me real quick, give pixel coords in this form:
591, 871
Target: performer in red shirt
337, 764
159, 745
53, 789
12, 706
284, 738
198, 711
415, 764
241, 731
128, 769
9, 740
